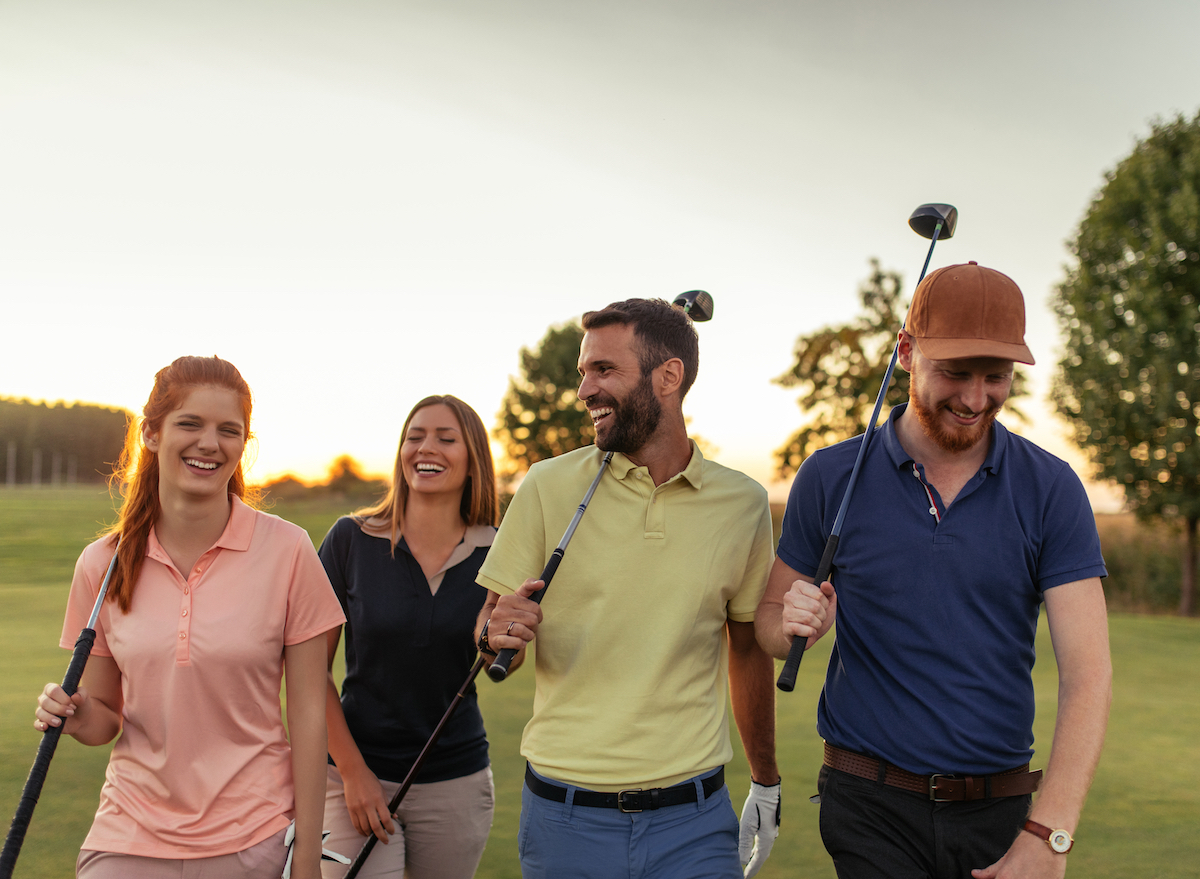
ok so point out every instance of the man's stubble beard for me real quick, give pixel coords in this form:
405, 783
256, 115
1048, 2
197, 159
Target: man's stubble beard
634, 420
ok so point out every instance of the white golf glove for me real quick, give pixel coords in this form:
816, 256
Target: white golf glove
760, 825
326, 855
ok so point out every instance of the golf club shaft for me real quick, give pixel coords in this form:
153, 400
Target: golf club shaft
791, 666
394, 804
498, 670
45, 752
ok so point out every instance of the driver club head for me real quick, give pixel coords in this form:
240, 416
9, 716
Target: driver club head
925, 219
696, 304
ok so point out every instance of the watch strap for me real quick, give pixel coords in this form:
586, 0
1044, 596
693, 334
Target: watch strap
1060, 841
483, 645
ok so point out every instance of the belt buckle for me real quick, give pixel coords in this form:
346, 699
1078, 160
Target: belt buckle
933, 780
621, 799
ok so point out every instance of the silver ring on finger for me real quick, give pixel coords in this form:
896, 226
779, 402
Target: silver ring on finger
508, 631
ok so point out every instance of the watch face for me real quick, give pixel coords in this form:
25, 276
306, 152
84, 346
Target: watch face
1060, 841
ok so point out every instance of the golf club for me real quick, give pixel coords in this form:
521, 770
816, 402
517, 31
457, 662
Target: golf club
696, 304
498, 670
932, 221
45, 753
420, 761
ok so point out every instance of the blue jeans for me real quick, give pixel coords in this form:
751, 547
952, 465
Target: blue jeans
689, 841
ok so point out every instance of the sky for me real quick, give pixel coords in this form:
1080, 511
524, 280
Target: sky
361, 203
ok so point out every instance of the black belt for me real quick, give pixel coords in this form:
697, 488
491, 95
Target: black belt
633, 800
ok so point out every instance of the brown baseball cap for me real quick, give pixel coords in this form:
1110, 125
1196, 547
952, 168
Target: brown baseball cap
969, 311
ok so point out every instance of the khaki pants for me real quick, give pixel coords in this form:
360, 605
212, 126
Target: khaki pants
444, 827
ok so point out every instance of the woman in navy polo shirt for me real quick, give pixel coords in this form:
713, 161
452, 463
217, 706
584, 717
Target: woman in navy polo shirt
404, 570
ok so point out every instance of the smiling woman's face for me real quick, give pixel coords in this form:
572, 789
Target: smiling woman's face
434, 454
199, 444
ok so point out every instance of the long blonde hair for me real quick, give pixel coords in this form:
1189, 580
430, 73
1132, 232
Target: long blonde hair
478, 506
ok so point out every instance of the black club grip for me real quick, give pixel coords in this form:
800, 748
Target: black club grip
498, 670
791, 666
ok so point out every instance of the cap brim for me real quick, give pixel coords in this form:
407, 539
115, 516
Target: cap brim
964, 349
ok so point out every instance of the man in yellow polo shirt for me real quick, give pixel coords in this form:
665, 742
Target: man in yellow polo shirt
649, 615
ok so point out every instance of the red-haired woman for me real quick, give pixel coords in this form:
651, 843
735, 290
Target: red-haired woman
210, 601
405, 570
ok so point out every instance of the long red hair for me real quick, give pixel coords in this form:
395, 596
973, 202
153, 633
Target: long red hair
136, 471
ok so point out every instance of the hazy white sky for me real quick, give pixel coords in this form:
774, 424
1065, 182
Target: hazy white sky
361, 203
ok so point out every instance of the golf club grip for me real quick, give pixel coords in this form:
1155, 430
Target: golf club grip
41, 763
791, 666
498, 670
28, 801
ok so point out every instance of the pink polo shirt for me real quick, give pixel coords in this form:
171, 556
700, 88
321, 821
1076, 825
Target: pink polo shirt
202, 766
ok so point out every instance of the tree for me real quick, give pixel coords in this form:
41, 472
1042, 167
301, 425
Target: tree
1129, 380
59, 442
541, 416
839, 369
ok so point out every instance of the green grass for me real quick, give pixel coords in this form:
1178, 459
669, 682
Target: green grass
1141, 818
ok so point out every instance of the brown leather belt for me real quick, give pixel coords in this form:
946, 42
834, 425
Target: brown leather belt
939, 788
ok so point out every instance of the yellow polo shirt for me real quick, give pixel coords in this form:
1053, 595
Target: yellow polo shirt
631, 656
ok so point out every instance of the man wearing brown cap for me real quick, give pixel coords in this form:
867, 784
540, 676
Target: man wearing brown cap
956, 534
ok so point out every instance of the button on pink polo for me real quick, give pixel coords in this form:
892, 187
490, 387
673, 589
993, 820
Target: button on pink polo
203, 766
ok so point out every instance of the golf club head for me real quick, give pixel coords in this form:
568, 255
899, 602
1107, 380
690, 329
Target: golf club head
697, 304
925, 219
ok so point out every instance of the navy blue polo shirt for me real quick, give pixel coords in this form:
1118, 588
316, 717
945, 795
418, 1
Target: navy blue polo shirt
938, 608
407, 652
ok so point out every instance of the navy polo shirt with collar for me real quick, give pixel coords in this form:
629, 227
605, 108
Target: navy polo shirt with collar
938, 607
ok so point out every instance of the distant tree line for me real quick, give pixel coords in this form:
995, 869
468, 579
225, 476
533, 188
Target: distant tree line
58, 443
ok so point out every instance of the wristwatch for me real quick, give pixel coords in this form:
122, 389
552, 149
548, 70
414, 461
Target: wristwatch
483, 641
1059, 840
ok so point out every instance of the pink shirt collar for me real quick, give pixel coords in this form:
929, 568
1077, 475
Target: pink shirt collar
237, 534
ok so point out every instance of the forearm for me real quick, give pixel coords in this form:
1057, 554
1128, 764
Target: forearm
752, 693
98, 720
1078, 624
306, 708
1080, 726
792, 607
768, 629
342, 747
93, 723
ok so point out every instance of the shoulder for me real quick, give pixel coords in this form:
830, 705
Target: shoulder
560, 473
1031, 461
347, 527
97, 554
274, 528
842, 453
724, 479
579, 459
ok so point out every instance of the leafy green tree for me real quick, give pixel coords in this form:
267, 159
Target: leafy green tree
1129, 380
541, 415
839, 369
